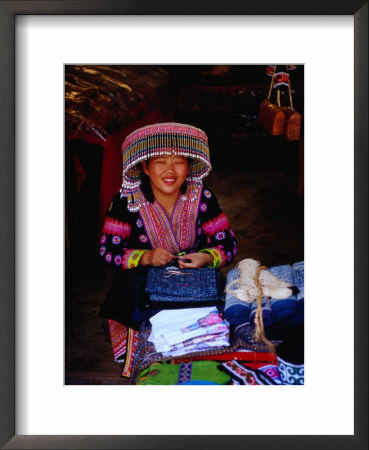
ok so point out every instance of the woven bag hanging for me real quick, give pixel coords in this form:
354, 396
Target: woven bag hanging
293, 119
271, 116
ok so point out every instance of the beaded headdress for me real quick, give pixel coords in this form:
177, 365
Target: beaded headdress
163, 139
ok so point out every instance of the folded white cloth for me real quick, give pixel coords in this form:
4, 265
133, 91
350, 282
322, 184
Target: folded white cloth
169, 319
180, 331
182, 324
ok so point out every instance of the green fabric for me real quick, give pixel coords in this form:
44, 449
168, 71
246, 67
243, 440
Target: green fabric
170, 374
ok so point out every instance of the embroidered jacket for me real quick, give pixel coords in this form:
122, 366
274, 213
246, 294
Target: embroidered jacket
198, 224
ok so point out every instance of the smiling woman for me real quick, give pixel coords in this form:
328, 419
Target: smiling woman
163, 168
161, 213
167, 175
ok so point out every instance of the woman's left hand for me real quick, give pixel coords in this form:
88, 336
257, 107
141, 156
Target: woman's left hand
196, 260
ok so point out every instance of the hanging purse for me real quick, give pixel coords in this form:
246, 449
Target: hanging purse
293, 120
271, 116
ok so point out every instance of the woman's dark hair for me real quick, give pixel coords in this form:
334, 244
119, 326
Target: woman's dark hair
146, 186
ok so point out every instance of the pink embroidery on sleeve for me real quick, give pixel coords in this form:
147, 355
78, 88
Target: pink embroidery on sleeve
220, 223
116, 227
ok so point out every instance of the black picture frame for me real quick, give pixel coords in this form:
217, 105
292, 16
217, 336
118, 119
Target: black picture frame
8, 11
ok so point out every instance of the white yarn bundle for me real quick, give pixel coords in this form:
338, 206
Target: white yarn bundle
247, 290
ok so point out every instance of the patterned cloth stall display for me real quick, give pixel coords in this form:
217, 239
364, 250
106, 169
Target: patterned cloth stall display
241, 346
239, 358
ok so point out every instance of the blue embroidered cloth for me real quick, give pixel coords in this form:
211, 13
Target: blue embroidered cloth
173, 286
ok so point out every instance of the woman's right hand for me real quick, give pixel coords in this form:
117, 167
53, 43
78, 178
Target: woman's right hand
156, 257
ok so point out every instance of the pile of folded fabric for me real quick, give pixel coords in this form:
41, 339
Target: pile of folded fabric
236, 311
244, 361
284, 323
289, 310
188, 339
180, 331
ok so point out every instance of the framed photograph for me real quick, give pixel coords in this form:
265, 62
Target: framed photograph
43, 406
